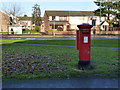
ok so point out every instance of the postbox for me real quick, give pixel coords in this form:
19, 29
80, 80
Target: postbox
77, 39
83, 44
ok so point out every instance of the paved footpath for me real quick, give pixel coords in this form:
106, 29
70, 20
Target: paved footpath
63, 45
86, 82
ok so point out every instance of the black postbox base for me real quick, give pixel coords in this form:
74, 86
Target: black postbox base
83, 64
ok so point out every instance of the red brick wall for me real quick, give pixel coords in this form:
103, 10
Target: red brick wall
74, 32
46, 22
4, 22
62, 32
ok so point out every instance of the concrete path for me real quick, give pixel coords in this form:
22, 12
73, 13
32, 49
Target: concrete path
86, 82
62, 45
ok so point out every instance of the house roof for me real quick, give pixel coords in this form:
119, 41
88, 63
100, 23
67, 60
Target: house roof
104, 23
27, 18
69, 13
4, 13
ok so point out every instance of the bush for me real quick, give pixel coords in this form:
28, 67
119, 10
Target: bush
26, 31
36, 27
30, 31
110, 24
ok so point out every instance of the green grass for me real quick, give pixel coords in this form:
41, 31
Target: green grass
101, 43
4, 32
27, 30
11, 41
30, 62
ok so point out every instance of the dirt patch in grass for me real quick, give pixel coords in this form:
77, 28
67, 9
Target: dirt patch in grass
29, 62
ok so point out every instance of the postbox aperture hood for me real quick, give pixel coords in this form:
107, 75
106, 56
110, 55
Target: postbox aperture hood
87, 26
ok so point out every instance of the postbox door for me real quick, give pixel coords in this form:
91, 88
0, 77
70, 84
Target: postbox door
84, 46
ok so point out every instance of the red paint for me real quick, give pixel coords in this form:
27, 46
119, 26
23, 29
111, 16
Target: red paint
77, 39
84, 42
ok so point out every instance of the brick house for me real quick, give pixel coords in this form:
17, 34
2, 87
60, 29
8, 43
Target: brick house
65, 22
7, 20
26, 22
4, 22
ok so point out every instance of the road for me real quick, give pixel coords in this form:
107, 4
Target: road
85, 82
58, 38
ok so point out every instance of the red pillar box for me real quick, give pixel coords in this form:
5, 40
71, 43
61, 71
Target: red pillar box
84, 44
77, 39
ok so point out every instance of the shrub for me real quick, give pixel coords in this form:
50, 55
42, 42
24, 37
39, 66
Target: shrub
26, 31
36, 27
110, 24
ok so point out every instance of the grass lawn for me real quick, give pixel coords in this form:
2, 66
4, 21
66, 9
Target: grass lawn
101, 43
29, 62
4, 32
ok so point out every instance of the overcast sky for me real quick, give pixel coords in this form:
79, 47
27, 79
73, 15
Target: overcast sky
74, 5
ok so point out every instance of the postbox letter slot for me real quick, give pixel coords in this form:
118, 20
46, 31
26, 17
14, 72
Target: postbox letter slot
85, 32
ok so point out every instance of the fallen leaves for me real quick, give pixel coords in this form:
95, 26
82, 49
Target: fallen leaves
19, 61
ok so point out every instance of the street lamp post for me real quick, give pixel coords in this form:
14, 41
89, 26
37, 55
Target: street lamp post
54, 29
100, 21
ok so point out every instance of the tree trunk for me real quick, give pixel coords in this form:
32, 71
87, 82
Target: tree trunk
108, 18
119, 22
108, 13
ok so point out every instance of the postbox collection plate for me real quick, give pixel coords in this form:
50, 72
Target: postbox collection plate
85, 40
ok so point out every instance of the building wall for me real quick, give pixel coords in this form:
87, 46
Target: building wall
0, 21
27, 23
41, 28
76, 20
73, 20
4, 22
46, 22
63, 32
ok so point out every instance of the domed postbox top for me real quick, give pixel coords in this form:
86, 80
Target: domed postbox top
84, 26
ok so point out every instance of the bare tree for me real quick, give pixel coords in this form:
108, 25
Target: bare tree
12, 8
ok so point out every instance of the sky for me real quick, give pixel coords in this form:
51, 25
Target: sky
71, 5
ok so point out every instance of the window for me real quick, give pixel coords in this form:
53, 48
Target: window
11, 20
63, 18
94, 22
53, 17
68, 27
24, 21
56, 26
